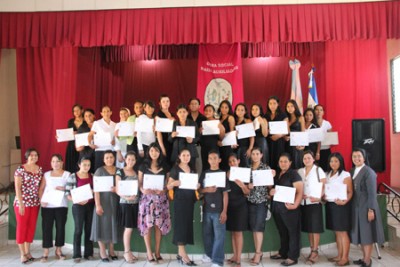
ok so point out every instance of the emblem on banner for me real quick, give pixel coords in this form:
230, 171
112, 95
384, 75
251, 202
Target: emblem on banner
217, 90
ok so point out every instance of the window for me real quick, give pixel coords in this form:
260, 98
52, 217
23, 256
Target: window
395, 72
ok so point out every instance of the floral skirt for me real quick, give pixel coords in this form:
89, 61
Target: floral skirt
154, 211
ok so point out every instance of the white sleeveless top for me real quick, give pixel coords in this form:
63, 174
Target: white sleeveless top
310, 178
52, 182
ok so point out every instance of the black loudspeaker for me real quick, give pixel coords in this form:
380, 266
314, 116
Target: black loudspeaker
369, 134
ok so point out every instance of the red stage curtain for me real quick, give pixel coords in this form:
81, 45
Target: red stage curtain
199, 25
46, 86
356, 88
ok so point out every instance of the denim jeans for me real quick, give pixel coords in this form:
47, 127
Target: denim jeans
214, 237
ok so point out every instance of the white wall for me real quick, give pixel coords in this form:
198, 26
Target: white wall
60, 5
9, 125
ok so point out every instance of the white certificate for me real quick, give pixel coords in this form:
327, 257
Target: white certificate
188, 180
53, 182
144, 124
153, 182
315, 135
82, 139
256, 124
262, 177
245, 130
102, 139
103, 183
210, 127
299, 139
239, 173
278, 127
313, 189
185, 131
164, 125
64, 135
126, 128
335, 191
284, 194
229, 139
128, 188
217, 179
53, 197
82, 193
331, 138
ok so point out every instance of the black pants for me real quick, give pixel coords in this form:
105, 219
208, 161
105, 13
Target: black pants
49, 216
288, 224
83, 216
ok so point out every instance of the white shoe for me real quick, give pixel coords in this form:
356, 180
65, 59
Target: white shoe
206, 259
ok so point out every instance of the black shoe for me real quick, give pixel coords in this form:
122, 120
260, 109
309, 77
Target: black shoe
152, 260
358, 262
277, 257
286, 263
114, 257
105, 260
367, 265
88, 258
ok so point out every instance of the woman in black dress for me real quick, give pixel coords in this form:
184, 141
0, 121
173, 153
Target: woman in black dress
162, 138
245, 145
286, 215
296, 124
237, 214
225, 113
184, 200
209, 142
338, 211
261, 126
72, 156
87, 151
276, 142
310, 122
178, 143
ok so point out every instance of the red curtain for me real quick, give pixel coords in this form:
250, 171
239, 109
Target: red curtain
46, 86
199, 25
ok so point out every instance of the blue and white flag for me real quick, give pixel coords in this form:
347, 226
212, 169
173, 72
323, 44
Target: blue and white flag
312, 90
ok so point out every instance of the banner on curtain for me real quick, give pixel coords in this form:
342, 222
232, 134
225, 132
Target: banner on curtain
312, 90
219, 74
296, 85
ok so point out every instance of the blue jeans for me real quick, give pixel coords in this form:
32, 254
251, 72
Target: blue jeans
214, 237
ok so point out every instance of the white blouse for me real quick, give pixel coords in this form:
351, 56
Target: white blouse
310, 178
52, 183
337, 178
102, 126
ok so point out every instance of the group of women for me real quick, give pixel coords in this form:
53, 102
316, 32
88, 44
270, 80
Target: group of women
111, 216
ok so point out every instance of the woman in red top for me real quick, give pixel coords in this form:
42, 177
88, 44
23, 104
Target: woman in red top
27, 179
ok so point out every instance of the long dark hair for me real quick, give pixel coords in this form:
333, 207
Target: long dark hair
246, 113
314, 120
297, 112
147, 159
259, 107
341, 162
278, 109
230, 111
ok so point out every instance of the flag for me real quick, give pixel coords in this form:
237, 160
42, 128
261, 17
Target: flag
296, 85
219, 74
312, 90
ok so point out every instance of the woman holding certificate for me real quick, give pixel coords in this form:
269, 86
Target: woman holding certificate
366, 217
276, 142
102, 133
121, 140
311, 210
54, 207
184, 200
81, 211
228, 121
209, 142
245, 145
153, 204
310, 122
326, 126
72, 156
180, 141
162, 138
338, 209
87, 151
128, 203
145, 138
296, 124
105, 227
261, 128
287, 215
257, 200
27, 179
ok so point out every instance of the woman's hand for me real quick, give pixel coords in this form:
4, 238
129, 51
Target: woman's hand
340, 202
248, 153
60, 188
189, 140
83, 202
272, 192
43, 204
99, 210
250, 186
371, 215
290, 206
314, 199
113, 189
21, 209
174, 134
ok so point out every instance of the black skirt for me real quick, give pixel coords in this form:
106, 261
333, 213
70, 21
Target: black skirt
237, 214
183, 222
311, 219
128, 215
257, 215
338, 218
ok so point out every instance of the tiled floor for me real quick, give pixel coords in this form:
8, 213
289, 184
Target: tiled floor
9, 257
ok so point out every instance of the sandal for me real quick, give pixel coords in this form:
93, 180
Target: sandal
130, 258
60, 256
311, 260
159, 259
230, 261
44, 258
255, 263
24, 259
